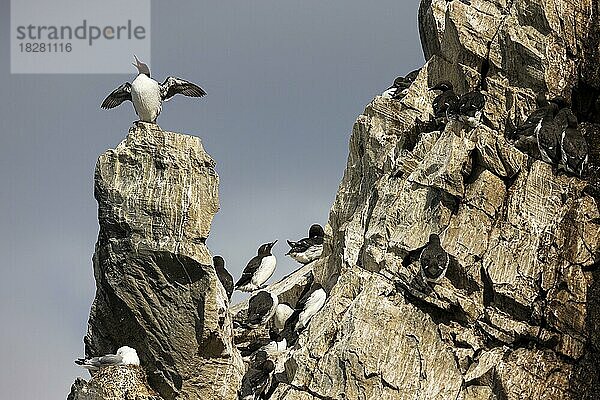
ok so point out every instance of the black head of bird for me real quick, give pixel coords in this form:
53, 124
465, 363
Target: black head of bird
265, 249
434, 239
398, 81
541, 100
316, 230
268, 366
141, 67
572, 120
411, 76
218, 261
560, 102
260, 357
316, 286
553, 109
444, 86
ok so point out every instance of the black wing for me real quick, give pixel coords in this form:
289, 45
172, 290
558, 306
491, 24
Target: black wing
172, 86
443, 101
226, 280
305, 244
574, 148
549, 138
259, 306
411, 76
471, 102
117, 96
532, 121
305, 295
250, 269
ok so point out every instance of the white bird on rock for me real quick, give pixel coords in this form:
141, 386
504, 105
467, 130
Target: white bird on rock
125, 356
147, 95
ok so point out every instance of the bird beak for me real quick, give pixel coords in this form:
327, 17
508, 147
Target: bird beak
273, 243
137, 62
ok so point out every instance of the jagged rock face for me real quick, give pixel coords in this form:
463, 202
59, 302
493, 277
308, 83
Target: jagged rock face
114, 383
157, 193
517, 315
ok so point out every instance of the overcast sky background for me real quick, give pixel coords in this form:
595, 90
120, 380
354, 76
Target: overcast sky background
285, 82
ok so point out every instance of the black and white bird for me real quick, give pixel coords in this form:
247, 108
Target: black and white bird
470, 107
308, 249
445, 100
275, 347
434, 260
574, 148
548, 134
258, 378
258, 270
309, 303
283, 312
125, 356
400, 86
147, 95
527, 128
224, 276
261, 307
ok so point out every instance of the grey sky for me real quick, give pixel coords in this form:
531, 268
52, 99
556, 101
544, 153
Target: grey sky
285, 82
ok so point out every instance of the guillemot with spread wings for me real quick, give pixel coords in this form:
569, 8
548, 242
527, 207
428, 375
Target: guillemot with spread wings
147, 95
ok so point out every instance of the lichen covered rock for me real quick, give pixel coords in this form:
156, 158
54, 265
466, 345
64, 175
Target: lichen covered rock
114, 383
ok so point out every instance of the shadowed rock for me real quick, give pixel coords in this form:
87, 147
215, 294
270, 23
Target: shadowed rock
157, 291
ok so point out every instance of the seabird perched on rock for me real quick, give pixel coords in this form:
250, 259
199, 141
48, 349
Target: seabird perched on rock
147, 95
548, 134
282, 313
258, 343
526, 134
125, 356
223, 275
275, 347
259, 269
445, 100
527, 128
434, 260
470, 107
261, 308
310, 302
258, 377
309, 305
574, 148
400, 86
308, 249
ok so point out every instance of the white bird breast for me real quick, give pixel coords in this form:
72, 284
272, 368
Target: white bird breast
264, 271
311, 254
282, 313
146, 98
314, 303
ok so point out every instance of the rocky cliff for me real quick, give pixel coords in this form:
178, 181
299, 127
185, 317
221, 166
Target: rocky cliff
517, 314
